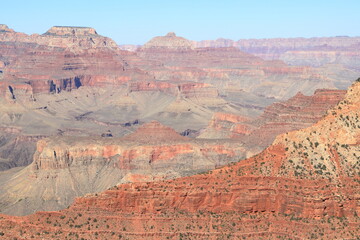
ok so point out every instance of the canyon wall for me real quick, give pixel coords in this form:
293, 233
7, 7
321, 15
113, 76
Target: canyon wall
65, 167
298, 51
305, 185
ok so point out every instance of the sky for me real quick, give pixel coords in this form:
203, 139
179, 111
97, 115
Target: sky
137, 21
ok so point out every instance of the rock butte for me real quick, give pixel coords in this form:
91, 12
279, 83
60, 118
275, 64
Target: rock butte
71, 31
305, 185
169, 41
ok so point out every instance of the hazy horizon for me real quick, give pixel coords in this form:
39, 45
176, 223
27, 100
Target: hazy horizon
136, 22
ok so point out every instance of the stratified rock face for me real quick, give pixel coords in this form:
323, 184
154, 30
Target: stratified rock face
75, 37
303, 186
169, 41
64, 37
67, 167
228, 65
65, 58
299, 51
221, 66
298, 112
70, 31
225, 125
183, 89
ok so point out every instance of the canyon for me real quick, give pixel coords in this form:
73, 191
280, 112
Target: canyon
305, 185
151, 153
176, 138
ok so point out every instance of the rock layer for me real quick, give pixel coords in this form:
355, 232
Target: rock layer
298, 112
244, 71
298, 51
91, 164
71, 31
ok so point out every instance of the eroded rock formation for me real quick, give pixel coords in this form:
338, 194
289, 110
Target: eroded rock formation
93, 164
243, 71
305, 185
298, 51
298, 112
169, 41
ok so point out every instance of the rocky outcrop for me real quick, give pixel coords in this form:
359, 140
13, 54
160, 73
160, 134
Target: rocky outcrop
71, 31
305, 185
169, 41
5, 28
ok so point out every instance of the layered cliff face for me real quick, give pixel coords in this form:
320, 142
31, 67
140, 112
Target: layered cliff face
65, 58
297, 112
69, 52
243, 71
305, 185
225, 125
88, 111
57, 63
67, 167
299, 51
76, 86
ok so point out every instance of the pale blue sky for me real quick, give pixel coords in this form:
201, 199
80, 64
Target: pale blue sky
137, 21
